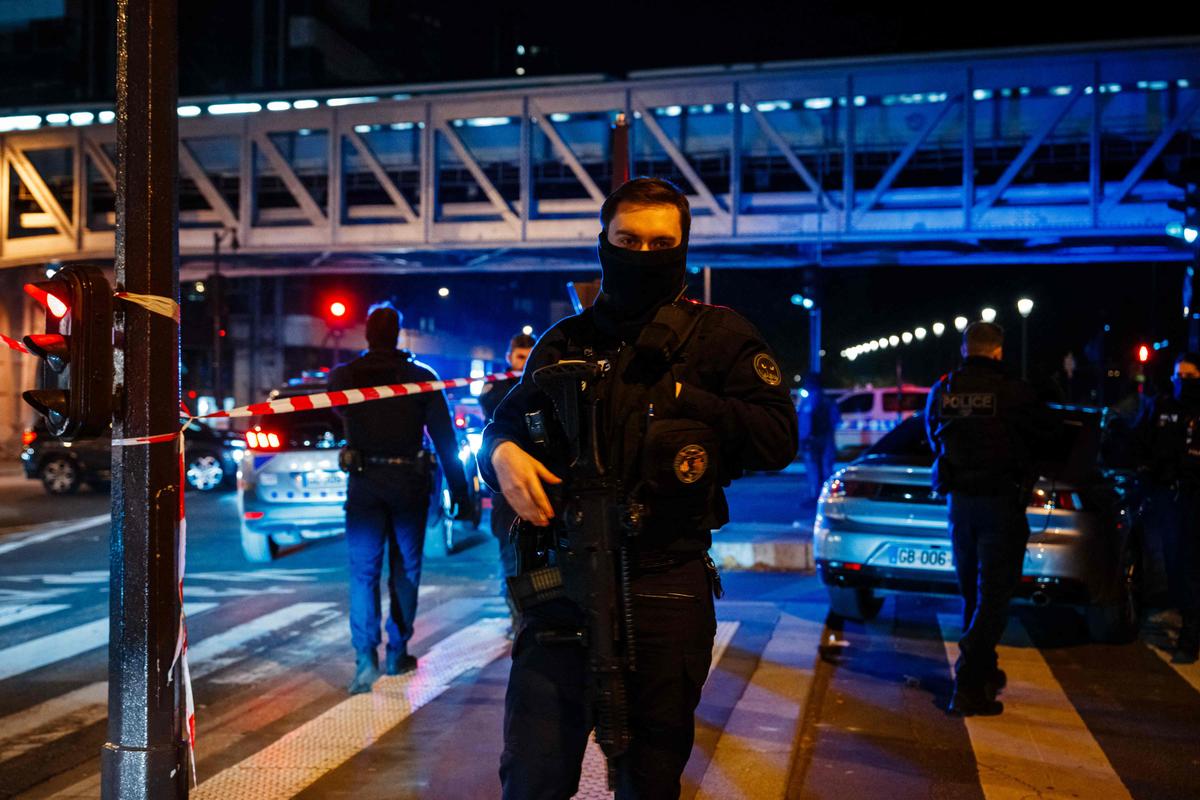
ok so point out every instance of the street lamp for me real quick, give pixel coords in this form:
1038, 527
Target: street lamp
893, 340
960, 324
939, 328
988, 314
443, 292
906, 337
1024, 308
920, 333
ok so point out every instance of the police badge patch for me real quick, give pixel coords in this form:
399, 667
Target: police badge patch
767, 369
691, 463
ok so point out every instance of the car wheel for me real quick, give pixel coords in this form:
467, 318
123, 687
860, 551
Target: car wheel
1118, 622
204, 472
854, 603
60, 475
258, 547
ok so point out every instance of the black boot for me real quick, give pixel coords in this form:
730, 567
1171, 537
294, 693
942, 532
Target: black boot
1187, 647
995, 682
400, 662
974, 700
366, 671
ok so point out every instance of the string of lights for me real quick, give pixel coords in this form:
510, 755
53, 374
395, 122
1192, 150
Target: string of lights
920, 334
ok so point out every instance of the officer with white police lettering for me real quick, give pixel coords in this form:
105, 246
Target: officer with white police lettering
983, 424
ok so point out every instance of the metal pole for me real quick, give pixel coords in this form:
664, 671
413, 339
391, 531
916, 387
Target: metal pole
1024, 348
708, 286
215, 295
145, 755
814, 340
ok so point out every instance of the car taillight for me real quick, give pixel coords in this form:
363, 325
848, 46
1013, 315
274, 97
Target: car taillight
1061, 498
460, 422
839, 487
28, 438
252, 515
262, 440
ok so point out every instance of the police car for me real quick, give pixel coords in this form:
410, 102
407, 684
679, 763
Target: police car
868, 413
291, 490
881, 529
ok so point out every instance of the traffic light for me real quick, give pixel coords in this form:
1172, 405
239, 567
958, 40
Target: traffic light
1143, 354
75, 378
337, 312
1188, 205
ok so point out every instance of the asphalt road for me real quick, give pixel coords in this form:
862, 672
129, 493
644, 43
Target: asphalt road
797, 705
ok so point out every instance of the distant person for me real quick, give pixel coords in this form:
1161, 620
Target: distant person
387, 499
1168, 443
502, 513
984, 424
819, 418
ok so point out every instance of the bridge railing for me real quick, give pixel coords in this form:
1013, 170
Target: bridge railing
949, 148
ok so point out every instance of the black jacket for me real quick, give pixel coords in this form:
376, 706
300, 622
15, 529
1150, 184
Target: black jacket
493, 393
397, 426
731, 383
985, 425
1167, 441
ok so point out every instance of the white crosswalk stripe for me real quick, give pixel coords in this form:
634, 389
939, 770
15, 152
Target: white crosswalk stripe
45, 722
304, 755
11, 615
1040, 746
65, 644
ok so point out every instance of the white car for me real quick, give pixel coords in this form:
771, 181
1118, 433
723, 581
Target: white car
869, 413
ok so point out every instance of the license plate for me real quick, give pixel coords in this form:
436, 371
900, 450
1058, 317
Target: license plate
310, 480
935, 558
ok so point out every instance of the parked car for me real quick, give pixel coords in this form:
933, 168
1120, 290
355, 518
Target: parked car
869, 413
880, 528
291, 489
211, 459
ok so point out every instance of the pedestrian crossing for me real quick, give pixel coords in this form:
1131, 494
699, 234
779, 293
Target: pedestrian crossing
274, 720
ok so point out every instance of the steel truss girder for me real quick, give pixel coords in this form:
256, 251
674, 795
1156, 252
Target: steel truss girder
536, 197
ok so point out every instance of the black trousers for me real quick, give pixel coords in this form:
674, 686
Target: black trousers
546, 718
989, 534
1180, 531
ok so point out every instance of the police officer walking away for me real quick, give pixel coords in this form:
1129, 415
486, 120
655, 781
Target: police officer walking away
503, 515
689, 397
984, 424
819, 418
1168, 436
387, 500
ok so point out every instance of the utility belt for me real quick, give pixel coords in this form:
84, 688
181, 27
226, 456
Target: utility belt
355, 461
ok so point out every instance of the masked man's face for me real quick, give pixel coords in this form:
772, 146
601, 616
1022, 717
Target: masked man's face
652, 227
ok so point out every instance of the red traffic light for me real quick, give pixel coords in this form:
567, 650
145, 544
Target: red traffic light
337, 309
45, 293
1143, 354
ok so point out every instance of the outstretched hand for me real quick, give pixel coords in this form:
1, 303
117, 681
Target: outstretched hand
521, 476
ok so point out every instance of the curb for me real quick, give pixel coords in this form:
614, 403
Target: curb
763, 548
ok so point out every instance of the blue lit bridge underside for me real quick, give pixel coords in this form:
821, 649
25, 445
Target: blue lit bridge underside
1055, 155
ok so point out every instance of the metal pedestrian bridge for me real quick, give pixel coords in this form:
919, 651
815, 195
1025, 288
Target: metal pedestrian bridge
1048, 155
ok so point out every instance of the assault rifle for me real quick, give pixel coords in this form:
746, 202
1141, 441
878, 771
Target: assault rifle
597, 522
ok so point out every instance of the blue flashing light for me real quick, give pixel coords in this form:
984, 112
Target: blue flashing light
1190, 235
797, 299
808, 302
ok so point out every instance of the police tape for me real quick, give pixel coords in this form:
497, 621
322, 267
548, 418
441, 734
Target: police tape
336, 399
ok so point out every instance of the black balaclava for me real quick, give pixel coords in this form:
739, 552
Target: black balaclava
1187, 390
638, 282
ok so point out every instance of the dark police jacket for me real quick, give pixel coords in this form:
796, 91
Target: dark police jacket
1167, 438
396, 427
984, 424
732, 393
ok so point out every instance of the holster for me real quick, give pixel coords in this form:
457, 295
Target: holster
350, 461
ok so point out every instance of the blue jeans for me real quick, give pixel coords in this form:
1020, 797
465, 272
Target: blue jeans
386, 509
989, 534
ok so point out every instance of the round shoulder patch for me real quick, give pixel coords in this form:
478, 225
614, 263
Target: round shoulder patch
691, 463
767, 369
